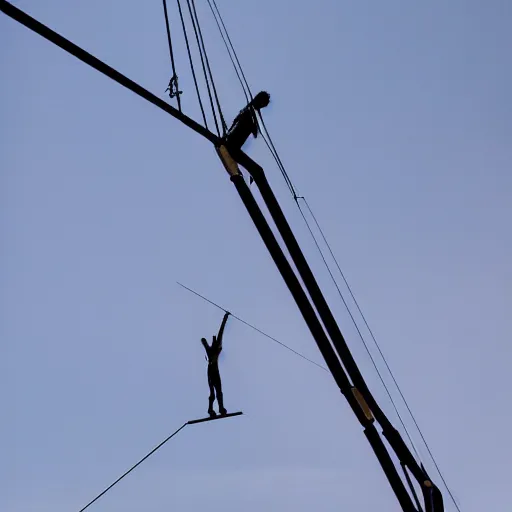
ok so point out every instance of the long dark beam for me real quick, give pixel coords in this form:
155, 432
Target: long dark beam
322, 341
49, 34
339, 342
52, 36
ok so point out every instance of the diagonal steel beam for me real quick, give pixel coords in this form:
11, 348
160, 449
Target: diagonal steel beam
46, 32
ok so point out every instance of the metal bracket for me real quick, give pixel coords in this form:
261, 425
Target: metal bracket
227, 160
362, 403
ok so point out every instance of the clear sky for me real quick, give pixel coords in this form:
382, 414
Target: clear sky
393, 118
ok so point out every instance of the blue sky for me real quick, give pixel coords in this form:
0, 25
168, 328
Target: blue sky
393, 119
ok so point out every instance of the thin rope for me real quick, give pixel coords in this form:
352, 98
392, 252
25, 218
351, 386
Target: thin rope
273, 151
380, 351
229, 52
358, 331
133, 467
192, 63
255, 328
233, 48
205, 73
167, 26
223, 122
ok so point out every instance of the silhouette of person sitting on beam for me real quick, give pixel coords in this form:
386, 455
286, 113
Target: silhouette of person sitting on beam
246, 122
212, 352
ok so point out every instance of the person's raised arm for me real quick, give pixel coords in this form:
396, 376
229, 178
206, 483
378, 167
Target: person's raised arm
221, 331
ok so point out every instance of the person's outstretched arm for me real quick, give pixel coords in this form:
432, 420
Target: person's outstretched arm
221, 331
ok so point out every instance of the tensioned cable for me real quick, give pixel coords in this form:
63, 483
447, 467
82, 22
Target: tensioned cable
229, 52
273, 151
280, 165
167, 26
219, 108
214, 114
296, 198
133, 467
255, 328
126, 473
232, 47
191, 63
358, 330
378, 347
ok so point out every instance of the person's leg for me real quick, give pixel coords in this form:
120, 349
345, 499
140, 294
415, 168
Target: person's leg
211, 398
218, 391
239, 133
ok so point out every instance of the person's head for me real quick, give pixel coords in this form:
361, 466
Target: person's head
261, 100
